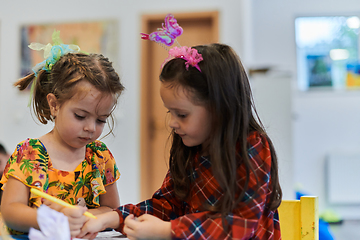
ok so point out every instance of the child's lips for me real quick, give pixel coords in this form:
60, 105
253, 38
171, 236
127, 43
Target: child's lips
85, 138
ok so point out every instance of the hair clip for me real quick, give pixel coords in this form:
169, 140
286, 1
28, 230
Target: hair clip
167, 36
190, 55
52, 53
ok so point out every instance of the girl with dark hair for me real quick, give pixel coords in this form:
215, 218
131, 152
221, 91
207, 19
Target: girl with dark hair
223, 179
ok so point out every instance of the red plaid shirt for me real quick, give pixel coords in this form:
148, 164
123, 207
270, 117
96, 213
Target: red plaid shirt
250, 220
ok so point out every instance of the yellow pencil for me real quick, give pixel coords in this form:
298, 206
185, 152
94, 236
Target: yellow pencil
58, 201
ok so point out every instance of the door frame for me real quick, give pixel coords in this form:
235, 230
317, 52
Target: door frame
144, 84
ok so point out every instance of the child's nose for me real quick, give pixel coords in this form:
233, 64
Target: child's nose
90, 126
173, 123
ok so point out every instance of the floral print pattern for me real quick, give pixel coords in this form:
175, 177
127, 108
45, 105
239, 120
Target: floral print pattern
31, 164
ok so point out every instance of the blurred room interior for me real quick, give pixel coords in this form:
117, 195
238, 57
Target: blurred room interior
303, 63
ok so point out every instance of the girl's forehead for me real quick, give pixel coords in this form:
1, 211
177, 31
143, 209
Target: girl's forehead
100, 106
85, 89
176, 97
186, 94
177, 90
87, 96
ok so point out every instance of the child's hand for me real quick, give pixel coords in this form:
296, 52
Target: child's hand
76, 218
103, 221
147, 227
52, 205
75, 215
91, 228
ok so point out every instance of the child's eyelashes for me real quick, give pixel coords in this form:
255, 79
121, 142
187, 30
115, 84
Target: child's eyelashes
179, 115
101, 121
79, 116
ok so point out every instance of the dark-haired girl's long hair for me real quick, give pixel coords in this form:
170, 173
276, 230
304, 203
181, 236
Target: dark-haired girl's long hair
223, 88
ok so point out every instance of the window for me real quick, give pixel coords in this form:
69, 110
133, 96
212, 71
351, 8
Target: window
327, 52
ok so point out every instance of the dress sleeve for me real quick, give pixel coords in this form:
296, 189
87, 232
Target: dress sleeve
112, 173
27, 164
252, 219
163, 205
104, 170
104, 161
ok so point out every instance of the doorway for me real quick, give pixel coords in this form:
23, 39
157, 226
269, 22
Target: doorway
199, 28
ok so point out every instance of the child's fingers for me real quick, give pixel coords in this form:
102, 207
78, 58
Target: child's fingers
74, 212
74, 232
77, 220
144, 217
131, 216
75, 225
129, 231
131, 222
131, 226
52, 205
92, 236
87, 236
84, 235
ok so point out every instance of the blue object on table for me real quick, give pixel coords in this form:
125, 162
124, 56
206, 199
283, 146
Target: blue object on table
20, 237
324, 231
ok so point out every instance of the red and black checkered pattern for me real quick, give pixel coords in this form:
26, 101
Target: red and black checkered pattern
252, 218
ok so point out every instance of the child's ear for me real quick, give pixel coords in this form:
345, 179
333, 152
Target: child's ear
53, 104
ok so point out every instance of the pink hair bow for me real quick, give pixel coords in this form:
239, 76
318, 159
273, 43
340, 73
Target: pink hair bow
190, 55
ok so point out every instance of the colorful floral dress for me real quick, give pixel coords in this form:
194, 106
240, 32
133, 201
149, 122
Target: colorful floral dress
31, 164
